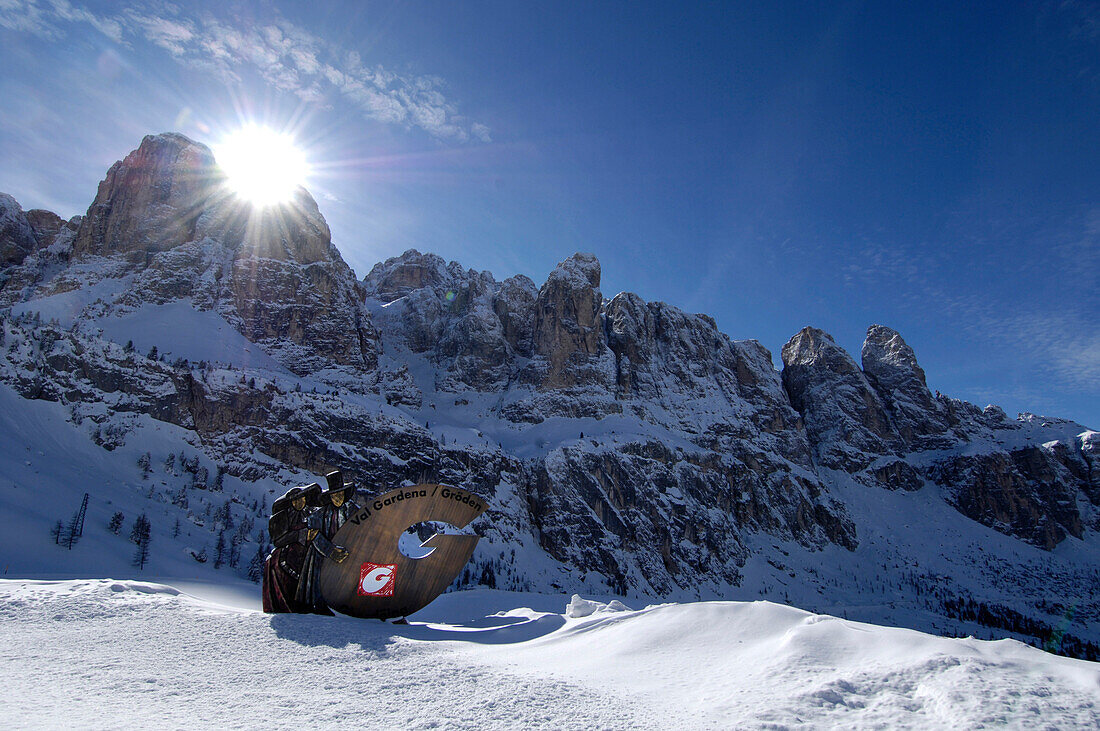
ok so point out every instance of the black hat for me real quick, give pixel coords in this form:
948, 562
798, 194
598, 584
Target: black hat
309, 492
337, 485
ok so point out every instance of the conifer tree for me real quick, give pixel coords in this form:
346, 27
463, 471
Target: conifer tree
115, 523
141, 534
235, 551
219, 551
141, 553
144, 463
176, 529
179, 497
72, 531
56, 531
256, 565
140, 530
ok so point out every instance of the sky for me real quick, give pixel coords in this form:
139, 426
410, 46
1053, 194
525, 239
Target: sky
933, 167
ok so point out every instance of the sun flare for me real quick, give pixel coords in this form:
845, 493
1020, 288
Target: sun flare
263, 166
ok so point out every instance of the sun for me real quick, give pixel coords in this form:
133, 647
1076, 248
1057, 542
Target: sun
264, 167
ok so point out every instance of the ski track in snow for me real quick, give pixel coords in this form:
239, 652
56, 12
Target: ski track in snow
105, 653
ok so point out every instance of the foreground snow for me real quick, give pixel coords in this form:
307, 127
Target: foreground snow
105, 653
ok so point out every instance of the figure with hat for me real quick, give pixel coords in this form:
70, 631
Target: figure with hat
332, 508
291, 535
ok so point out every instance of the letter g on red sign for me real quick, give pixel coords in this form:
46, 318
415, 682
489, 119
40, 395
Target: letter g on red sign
377, 579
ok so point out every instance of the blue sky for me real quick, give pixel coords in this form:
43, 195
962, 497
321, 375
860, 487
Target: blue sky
931, 167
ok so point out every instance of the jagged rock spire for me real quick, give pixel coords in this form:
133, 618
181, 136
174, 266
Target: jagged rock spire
890, 366
844, 417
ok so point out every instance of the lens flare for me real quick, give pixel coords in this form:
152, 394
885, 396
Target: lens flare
264, 167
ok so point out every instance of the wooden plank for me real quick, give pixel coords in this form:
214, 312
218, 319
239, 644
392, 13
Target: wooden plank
361, 584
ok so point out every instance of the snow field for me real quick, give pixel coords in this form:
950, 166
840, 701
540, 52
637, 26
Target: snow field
103, 653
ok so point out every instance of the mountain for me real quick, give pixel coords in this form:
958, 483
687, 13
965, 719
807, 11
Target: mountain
216, 353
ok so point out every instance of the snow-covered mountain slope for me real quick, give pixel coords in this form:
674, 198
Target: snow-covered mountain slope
126, 653
181, 352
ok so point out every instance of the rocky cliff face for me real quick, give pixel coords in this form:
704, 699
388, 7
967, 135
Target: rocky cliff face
534, 357
890, 366
165, 225
621, 444
34, 245
17, 240
883, 427
151, 200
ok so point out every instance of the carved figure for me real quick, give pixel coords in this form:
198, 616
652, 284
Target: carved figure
290, 534
330, 509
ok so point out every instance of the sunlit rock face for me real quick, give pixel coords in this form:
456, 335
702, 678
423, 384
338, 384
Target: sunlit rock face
151, 200
568, 332
165, 220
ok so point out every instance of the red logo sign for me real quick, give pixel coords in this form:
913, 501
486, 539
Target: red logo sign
377, 579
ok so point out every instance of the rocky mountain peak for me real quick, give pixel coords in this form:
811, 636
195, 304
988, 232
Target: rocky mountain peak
577, 272
170, 191
845, 419
890, 366
166, 222
888, 360
811, 347
152, 199
399, 275
567, 317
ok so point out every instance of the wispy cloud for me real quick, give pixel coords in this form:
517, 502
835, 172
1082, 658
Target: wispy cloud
1068, 345
283, 54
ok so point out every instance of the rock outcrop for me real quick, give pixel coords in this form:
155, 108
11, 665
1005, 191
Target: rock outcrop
883, 427
16, 237
151, 200
844, 417
165, 219
568, 332
1024, 493
891, 368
